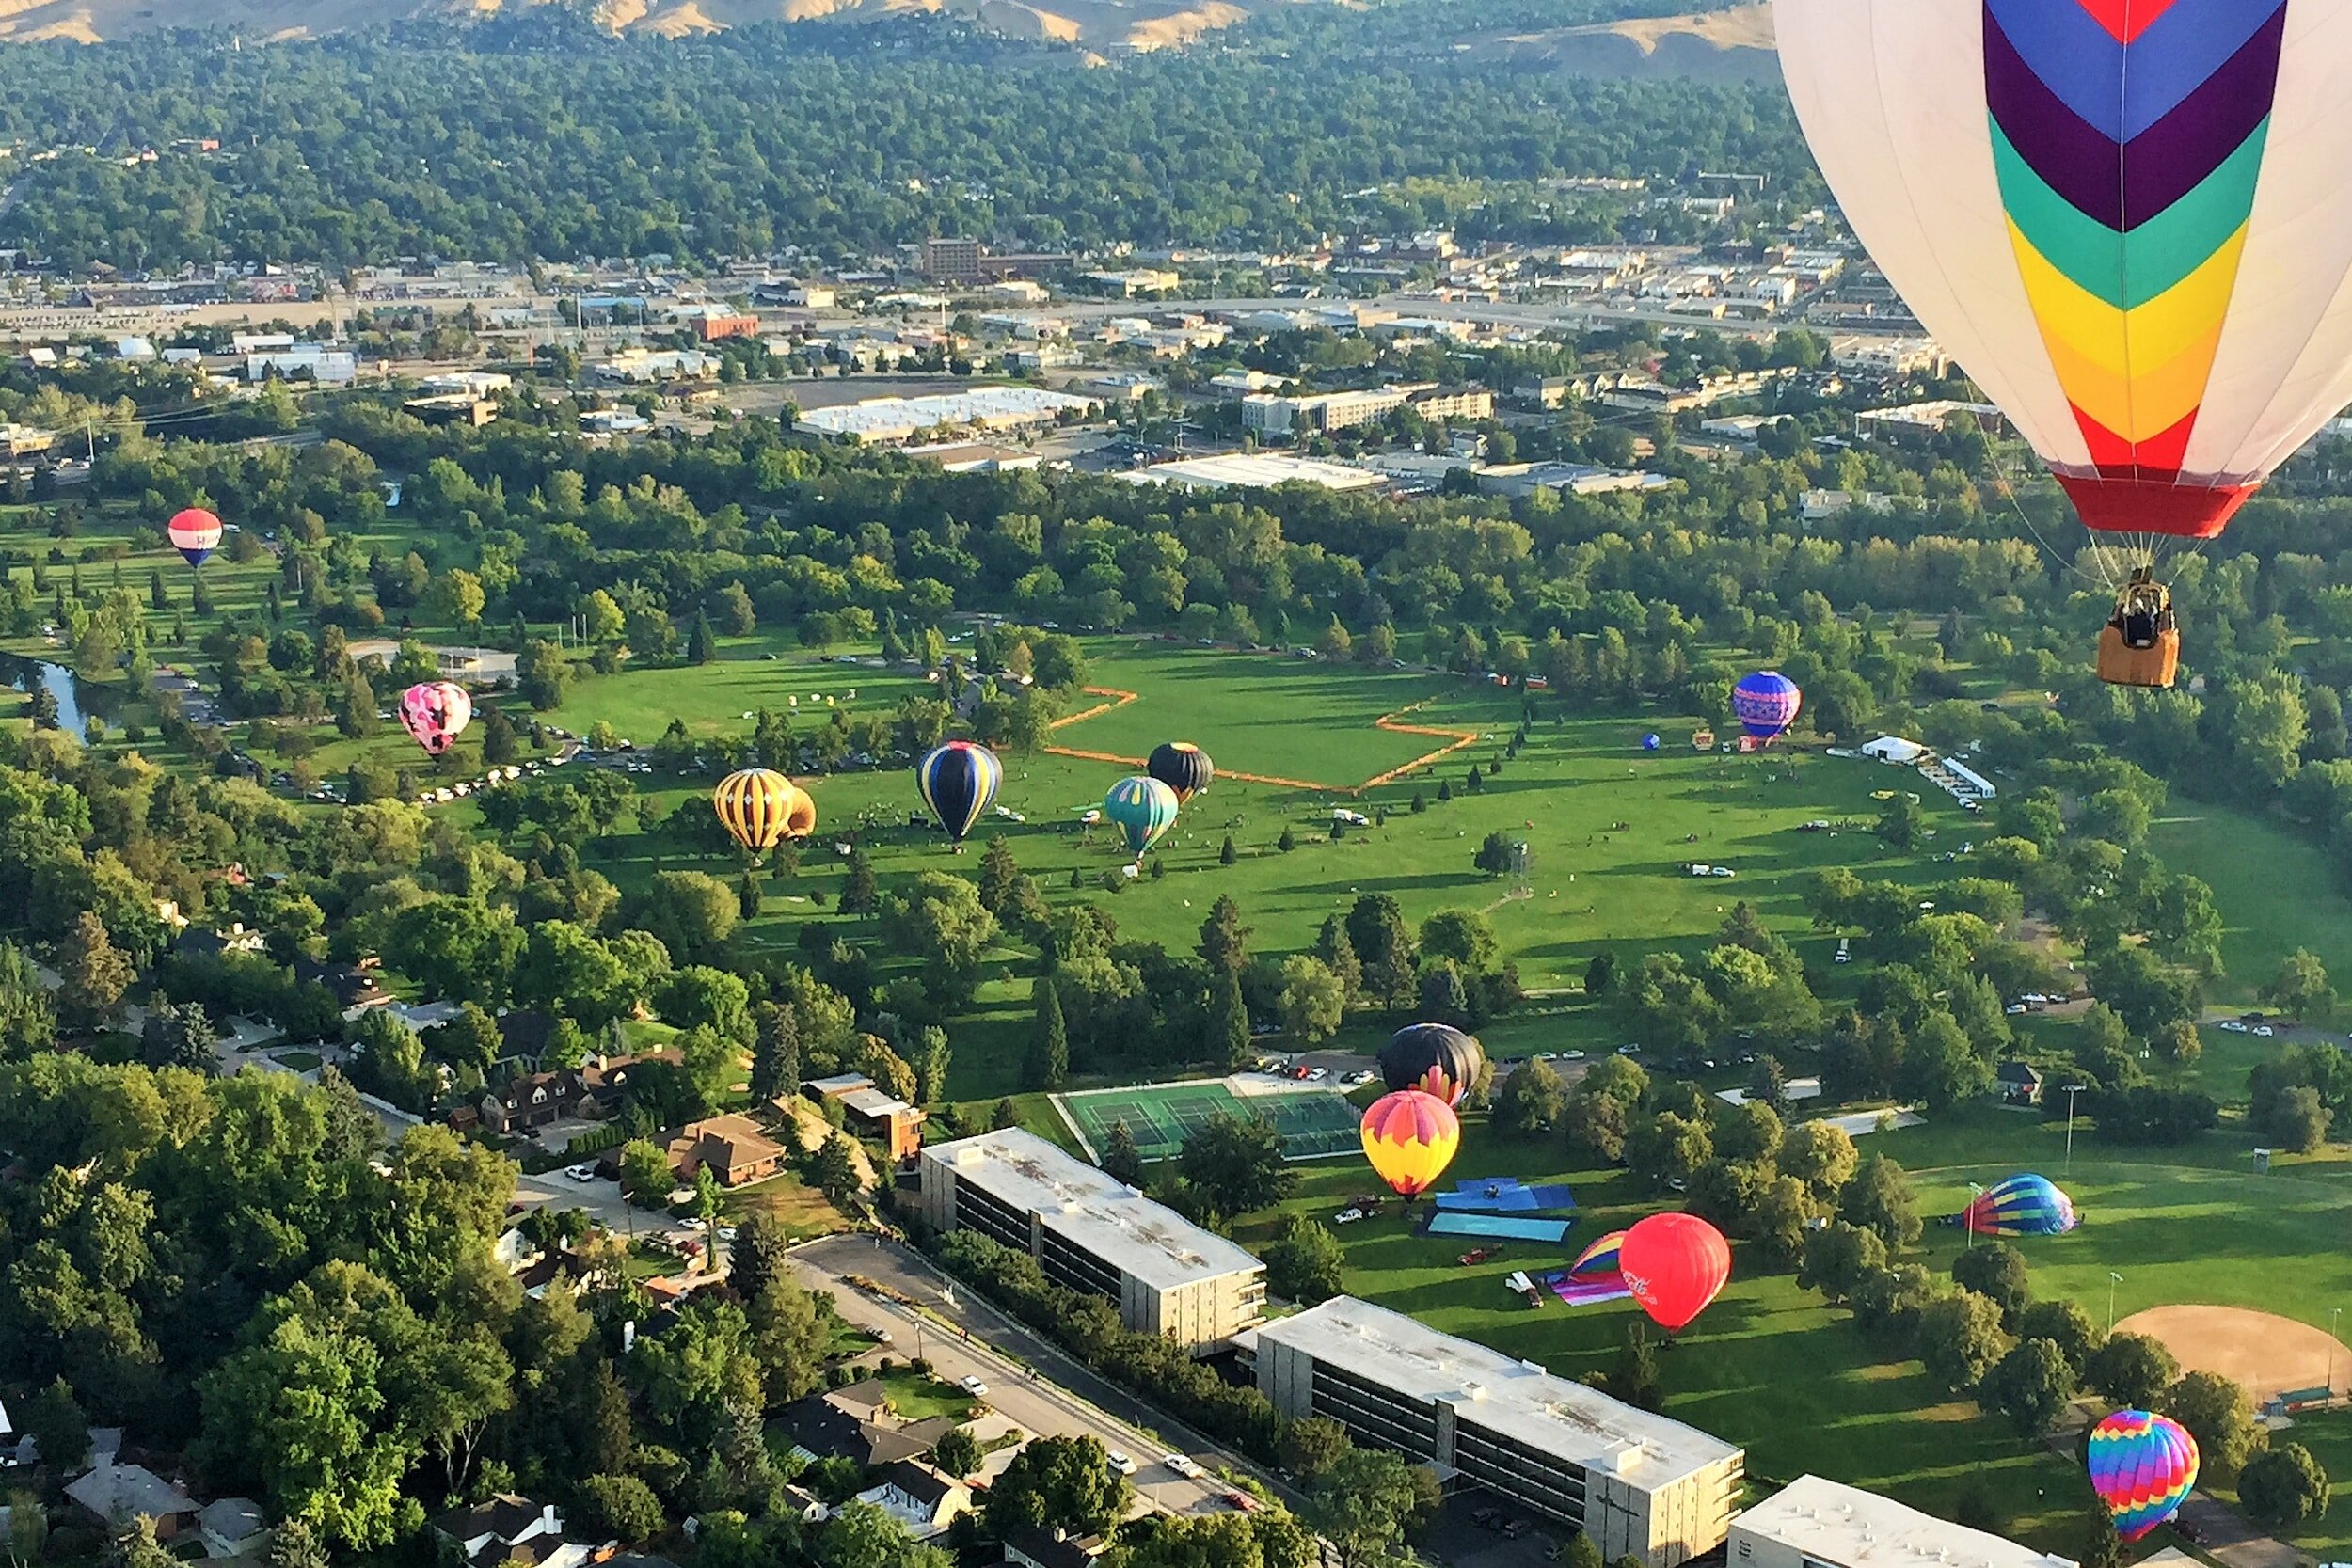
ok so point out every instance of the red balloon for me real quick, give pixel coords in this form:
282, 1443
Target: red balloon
1674, 1264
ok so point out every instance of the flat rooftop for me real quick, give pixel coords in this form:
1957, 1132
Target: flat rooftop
894, 416
1146, 1241
1516, 1398
1855, 1529
1253, 472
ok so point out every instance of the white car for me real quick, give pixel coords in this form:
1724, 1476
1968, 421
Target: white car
972, 1386
580, 1173
1629, 1051
1120, 1463
1547, 1056
1571, 1055
1317, 1075
2264, 1030
1347, 1216
1184, 1466
2234, 1026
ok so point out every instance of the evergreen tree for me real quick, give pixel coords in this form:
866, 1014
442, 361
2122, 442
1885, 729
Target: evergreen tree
1229, 1023
1121, 1159
859, 894
775, 1052
1228, 854
702, 644
1337, 955
1048, 1063
999, 871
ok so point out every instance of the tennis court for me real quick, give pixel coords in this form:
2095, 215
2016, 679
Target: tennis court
1312, 1124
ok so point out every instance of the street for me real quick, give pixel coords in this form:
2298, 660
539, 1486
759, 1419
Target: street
1065, 1399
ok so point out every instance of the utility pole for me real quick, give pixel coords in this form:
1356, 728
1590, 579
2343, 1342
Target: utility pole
2113, 1280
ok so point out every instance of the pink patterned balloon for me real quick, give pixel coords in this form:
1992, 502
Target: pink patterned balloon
435, 713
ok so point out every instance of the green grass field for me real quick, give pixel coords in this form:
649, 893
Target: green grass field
2275, 893
1159, 1118
1770, 1367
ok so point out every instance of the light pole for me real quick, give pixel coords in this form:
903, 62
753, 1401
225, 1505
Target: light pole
2072, 1090
1975, 1192
2113, 1280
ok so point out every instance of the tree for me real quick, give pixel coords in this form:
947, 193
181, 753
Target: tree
1820, 1155
1667, 1147
1634, 1379
2131, 1369
1880, 1198
1940, 1068
54, 1422
1121, 1160
702, 644
94, 974
2218, 1414
775, 1051
693, 913
1533, 1097
621, 1506
1996, 1271
1785, 1212
1062, 1484
1312, 1003
1306, 1262
177, 1035
28, 1532
1228, 1040
860, 892
2068, 1327
1224, 939
834, 1171
940, 920
958, 1453
1046, 1065
1368, 1505
1501, 855
1960, 1338
2030, 1386
2282, 1488
1234, 1165
2301, 989
1902, 821
1837, 1258
644, 1172
2299, 1120
28, 1023
758, 1256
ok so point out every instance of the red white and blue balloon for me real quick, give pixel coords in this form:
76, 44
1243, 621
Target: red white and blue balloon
1766, 703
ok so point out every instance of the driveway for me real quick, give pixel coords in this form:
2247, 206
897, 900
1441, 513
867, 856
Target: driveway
965, 1337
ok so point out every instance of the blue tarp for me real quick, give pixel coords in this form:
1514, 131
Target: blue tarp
1503, 1195
1497, 1228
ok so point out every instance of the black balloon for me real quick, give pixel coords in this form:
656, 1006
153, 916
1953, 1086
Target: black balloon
1436, 1058
1182, 766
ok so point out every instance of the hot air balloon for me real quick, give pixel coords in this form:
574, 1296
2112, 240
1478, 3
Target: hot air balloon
959, 781
2128, 223
1182, 766
1596, 1275
1410, 1138
2143, 1468
1142, 809
195, 534
435, 714
1651, 743
1766, 703
2021, 1206
1702, 740
1674, 1264
1435, 1058
760, 809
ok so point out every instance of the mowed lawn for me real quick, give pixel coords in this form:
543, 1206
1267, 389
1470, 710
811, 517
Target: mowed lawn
1772, 1368
2276, 892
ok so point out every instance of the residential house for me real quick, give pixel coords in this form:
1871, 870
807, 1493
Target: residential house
919, 1496
2017, 1084
1037, 1548
116, 1493
524, 1034
887, 1119
856, 1423
731, 1146
355, 987
531, 1101
234, 1526
202, 941
510, 1528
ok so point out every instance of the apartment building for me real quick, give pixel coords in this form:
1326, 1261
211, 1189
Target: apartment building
1812, 1523
1093, 1233
1638, 1483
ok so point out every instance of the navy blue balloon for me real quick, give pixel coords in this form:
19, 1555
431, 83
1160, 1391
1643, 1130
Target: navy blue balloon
1649, 743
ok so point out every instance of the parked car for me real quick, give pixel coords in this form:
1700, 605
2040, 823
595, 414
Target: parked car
973, 1387
1120, 1463
1184, 1466
580, 1173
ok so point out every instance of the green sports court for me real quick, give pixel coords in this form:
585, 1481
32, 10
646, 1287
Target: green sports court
1312, 1124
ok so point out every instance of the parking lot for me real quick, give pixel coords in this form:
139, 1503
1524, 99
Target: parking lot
1472, 1530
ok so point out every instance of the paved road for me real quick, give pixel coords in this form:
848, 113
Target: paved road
1065, 1399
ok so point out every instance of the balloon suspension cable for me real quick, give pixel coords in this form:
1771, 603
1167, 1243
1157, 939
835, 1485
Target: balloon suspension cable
2107, 578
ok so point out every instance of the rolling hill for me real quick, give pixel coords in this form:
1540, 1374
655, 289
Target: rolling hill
1734, 45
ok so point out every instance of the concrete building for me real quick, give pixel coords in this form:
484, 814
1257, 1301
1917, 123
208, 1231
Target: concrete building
884, 420
304, 361
1268, 414
1456, 402
1093, 1233
1813, 1522
952, 261
1637, 1483
1254, 472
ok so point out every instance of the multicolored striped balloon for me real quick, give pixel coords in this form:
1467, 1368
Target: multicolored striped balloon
1142, 809
2126, 219
2021, 1206
1409, 1137
1766, 703
2143, 1468
959, 781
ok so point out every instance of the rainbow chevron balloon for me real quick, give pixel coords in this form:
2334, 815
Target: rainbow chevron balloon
2126, 219
2143, 1468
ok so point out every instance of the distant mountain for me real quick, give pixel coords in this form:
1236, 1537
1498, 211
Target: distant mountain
1734, 45
1091, 23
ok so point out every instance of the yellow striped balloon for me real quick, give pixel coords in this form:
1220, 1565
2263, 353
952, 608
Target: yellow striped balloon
760, 809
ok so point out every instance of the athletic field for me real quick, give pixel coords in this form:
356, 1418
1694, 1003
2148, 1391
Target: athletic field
1159, 1117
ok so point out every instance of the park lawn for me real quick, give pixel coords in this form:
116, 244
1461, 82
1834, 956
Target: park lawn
918, 1396
802, 1208
2328, 1436
2276, 892
1772, 1368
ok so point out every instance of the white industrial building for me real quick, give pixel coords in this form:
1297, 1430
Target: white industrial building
885, 420
1253, 472
1812, 1523
304, 361
1091, 1232
1638, 1483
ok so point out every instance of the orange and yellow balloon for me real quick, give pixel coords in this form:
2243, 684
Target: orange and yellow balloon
1409, 1137
760, 809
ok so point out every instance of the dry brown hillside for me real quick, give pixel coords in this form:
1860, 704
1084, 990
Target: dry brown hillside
1096, 24
1725, 46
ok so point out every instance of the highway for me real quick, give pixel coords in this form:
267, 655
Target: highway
965, 1337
